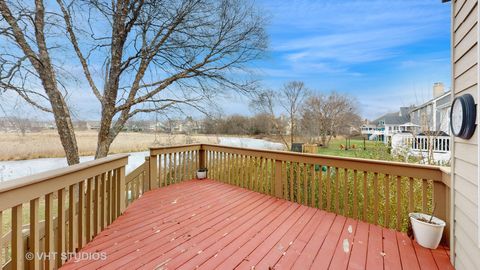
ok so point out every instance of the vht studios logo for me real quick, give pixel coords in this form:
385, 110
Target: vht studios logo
81, 256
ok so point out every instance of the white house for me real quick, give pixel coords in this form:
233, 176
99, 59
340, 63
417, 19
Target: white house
432, 141
383, 128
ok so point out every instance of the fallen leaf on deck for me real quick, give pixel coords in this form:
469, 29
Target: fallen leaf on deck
346, 245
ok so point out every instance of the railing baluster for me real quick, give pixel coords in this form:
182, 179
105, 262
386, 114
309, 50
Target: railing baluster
81, 212
165, 171
355, 195
225, 167
424, 195
34, 237
228, 168
411, 199
235, 169
103, 195
312, 185
60, 226
337, 190
17, 237
184, 174
175, 157
320, 186
375, 198
305, 184
96, 207
261, 177
213, 166
71, 219
278, 179
329, 195
113, 198
365, 196
108, 199
284, 180
120, 191
255, 173
345, 192
292, 198
387, 201
153, 172
298, 181
242, 170
399, 203
88, 212
49, 248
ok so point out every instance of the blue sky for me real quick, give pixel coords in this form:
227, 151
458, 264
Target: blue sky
385, 53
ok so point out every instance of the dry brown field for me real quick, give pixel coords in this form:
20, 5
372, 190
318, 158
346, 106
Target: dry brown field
45, 144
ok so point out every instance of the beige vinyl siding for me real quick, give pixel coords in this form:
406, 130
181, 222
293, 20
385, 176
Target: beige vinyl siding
465, 179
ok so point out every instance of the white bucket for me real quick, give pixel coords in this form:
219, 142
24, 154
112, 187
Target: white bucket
427, 235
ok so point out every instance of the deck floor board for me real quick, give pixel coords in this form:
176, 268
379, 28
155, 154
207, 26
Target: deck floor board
211, 225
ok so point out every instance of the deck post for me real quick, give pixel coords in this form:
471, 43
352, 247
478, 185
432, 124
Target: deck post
201, 158
17, 238
153, 183
278, 179
122, 190
146, 178
441, 199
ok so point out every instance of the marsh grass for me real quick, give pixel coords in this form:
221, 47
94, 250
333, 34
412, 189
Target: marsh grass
46, 144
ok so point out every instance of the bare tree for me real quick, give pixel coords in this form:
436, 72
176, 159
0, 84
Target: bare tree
289, 99
265, 102
136, 56
292, 97
324, 115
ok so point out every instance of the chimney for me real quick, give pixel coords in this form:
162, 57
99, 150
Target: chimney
438, 89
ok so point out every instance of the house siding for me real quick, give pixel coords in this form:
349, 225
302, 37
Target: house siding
465, 160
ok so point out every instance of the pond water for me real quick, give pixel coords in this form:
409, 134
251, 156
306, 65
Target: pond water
19, 168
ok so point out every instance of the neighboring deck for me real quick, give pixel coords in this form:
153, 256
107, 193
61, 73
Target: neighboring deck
208, 224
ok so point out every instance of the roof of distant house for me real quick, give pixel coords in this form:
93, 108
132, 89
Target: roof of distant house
395, 118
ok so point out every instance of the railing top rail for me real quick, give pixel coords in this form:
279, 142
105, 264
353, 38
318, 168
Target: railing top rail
175, 148
381, 166
48, 175
371, 161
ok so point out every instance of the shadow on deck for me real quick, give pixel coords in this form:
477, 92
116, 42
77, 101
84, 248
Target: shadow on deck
207, 224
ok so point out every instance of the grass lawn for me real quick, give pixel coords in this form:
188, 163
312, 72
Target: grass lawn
374, 150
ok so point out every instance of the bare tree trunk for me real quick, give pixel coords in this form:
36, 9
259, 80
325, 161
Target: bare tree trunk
64, 127
292, 135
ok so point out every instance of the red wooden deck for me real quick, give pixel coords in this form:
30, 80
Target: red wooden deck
207, 225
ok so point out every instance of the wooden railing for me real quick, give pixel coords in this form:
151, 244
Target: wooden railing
136, 182
374, 191
169, 165
62, 209
68, 207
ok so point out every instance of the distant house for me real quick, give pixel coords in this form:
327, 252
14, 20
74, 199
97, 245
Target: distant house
423, 129
185, 126
434, 114
431, 141
383, 128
